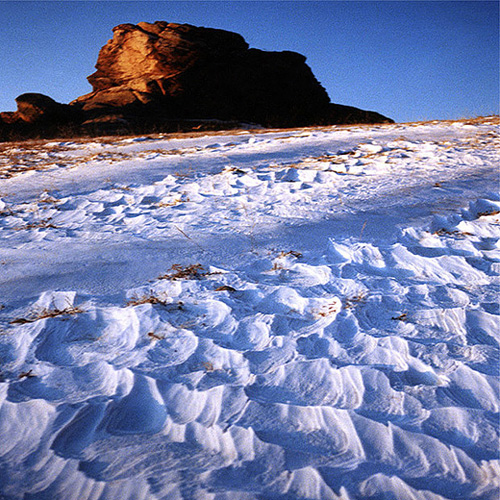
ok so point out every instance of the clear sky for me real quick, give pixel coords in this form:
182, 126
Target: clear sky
409, 60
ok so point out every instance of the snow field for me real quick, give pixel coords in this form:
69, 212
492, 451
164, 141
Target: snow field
330, 330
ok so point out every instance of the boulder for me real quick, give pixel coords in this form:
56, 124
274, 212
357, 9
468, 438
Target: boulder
38, 115
35, 108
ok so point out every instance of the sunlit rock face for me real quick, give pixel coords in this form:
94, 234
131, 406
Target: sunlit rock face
154, 57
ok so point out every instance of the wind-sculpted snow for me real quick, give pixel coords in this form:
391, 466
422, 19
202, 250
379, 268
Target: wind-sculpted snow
299, 315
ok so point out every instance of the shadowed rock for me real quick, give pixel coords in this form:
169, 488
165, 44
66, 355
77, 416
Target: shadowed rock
33, 108
37, 115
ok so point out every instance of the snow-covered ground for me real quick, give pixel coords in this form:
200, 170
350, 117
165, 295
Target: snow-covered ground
304, 314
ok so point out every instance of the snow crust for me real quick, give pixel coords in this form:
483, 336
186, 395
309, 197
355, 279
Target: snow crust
307, 314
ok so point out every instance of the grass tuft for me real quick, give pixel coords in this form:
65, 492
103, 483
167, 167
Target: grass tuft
192, 272
42, 224
47, 313
28, 374
146, 299
351, 302
456, 232
401, 317
225, 288
487, 213
293, 253
154, 336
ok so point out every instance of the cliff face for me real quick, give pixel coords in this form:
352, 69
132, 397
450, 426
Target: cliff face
152, 76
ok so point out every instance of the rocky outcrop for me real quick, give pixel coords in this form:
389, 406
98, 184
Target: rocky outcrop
339, 114
37, 115
159, 76
33, 108
182, 71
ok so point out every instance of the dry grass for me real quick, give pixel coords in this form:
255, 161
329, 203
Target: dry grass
154, 336
354, 300
478, 120
327, 310
42, 224
280, 265
233, 170
122, 188
173, 203
209, 367
292, 253
446, 232
193, 133
277, 266
149, 298
401, 317
28, 374
47, 313
487, 213
192, 272
225, 288
49, 200
6, 213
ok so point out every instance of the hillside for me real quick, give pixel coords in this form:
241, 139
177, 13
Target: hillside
274, 314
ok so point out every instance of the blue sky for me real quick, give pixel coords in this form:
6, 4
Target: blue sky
408, 60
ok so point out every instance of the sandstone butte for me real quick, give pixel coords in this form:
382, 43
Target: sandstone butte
164, 76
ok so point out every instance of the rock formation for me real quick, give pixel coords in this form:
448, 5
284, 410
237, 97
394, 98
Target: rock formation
37, 115
161, 75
